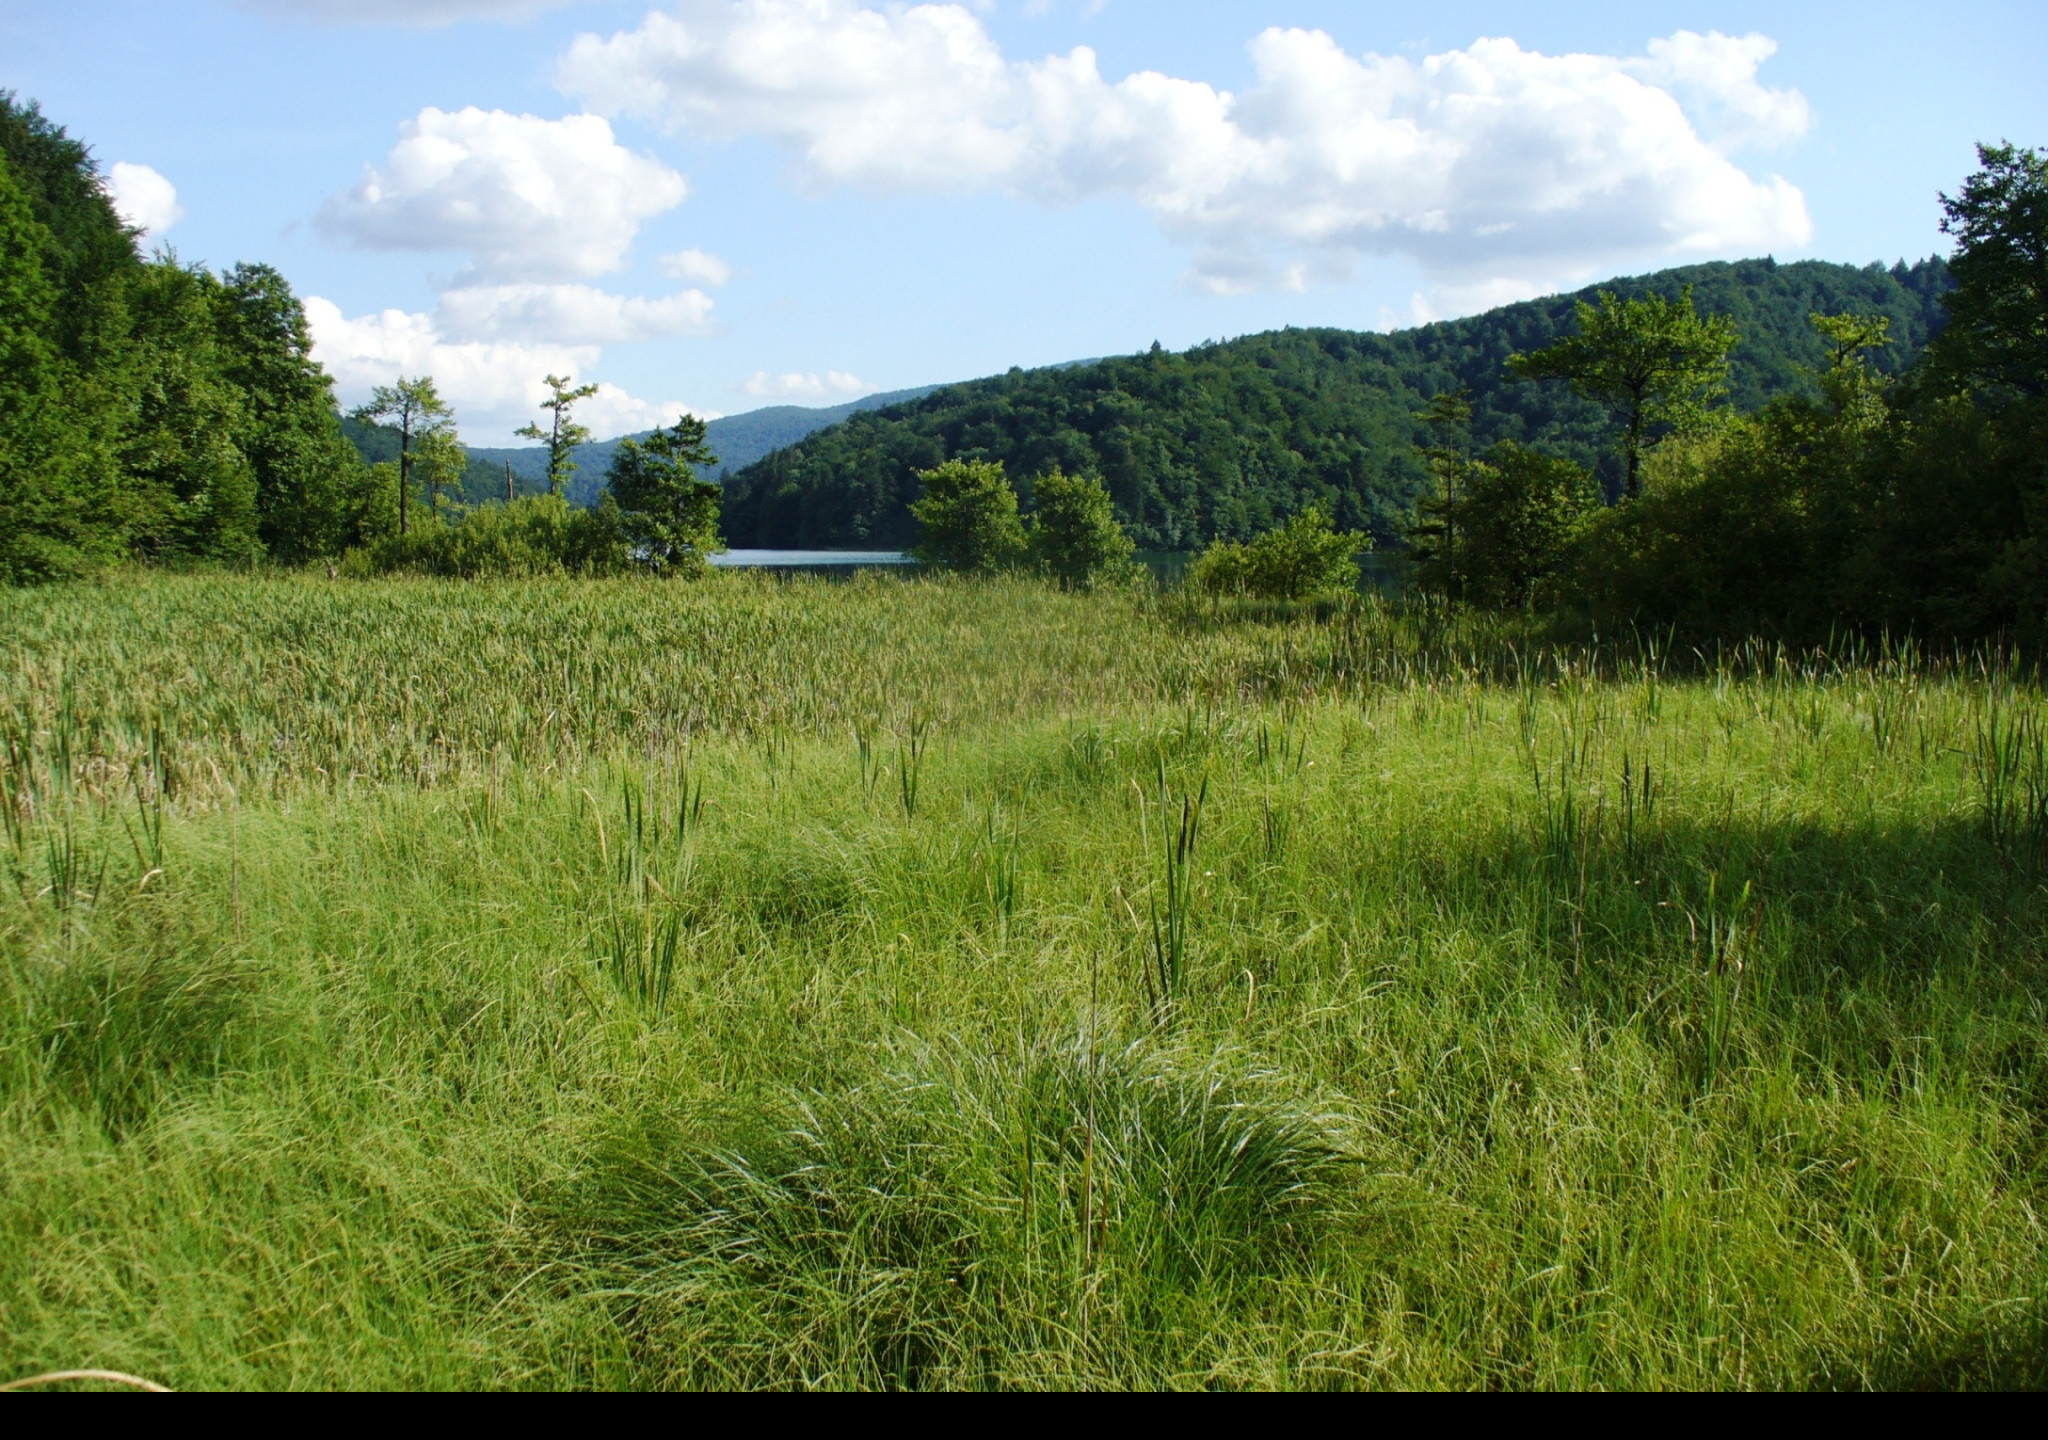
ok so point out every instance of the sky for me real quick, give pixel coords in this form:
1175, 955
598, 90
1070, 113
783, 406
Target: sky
715, 205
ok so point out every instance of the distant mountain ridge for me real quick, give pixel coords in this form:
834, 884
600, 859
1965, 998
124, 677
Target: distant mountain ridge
1231, 437
737, 440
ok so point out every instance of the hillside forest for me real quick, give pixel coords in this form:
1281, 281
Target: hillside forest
1229, 438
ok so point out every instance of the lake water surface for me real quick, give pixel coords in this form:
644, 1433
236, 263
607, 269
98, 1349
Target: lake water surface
806, 559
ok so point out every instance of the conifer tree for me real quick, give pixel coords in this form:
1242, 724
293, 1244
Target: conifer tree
563, 434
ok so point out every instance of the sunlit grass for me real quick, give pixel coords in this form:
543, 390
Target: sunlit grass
575, 984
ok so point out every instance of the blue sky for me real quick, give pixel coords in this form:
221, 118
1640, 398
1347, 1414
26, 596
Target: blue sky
718, 204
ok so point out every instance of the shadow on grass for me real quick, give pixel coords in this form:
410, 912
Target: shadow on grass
2009, 1354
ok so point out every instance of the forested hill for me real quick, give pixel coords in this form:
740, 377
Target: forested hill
1231, 437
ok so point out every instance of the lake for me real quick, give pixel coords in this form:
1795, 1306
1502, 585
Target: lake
808, 559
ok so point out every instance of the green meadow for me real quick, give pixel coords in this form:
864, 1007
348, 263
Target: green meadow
956, 983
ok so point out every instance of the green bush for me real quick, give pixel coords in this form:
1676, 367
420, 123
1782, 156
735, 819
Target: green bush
967, 520
533, 535
1502, 533
1301, 560
1075, 537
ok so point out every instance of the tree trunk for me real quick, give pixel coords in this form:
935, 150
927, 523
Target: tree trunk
404, 468
1634, 484
555, 456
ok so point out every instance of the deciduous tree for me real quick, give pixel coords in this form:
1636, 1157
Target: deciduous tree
1075, 537
1658, 362
967, 518
1997, 335
1301, 560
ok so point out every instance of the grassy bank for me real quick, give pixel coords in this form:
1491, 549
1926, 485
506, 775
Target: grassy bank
933, 984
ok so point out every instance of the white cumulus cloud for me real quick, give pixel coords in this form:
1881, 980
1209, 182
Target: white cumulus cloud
143, 198
1715, 75
1487, 165
917, 96
568, 314
493, 385
699, 265
611, 411
796, 385
528, 198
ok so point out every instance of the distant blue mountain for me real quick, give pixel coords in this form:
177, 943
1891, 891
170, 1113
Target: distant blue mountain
737, 440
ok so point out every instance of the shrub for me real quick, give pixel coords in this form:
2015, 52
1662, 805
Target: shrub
1303, 559
967, 520
1075, 537
533, 535
1503, 533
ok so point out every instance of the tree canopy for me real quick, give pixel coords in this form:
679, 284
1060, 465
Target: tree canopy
967, 518
1655, 360
149, 408
666, 510
1997, 337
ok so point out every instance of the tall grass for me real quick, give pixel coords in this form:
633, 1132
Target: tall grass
937, 984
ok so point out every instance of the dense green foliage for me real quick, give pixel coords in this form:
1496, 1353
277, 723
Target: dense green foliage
1863, 505
1075, 538
529, 536
1299, 560
743, 984
1229, 439
148, 408
670, 515
967, 518
1504, 526
1997, 340
1655, 360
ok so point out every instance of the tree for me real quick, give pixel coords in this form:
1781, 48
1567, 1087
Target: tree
1997, 335
1847, 381
967, 519
1655, 360
1433, 537
87, 246
1516, 515
310, 482
1301, 560
563, 435
45, 531
1757, 526
439, 461
668, 514
1075, 537
419, 411
188, 490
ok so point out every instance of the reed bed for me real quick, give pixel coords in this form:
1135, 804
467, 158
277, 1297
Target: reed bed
966, 985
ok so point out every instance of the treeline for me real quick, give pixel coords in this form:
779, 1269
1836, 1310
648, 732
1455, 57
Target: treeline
1229, 440
150, 408
1861, 501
